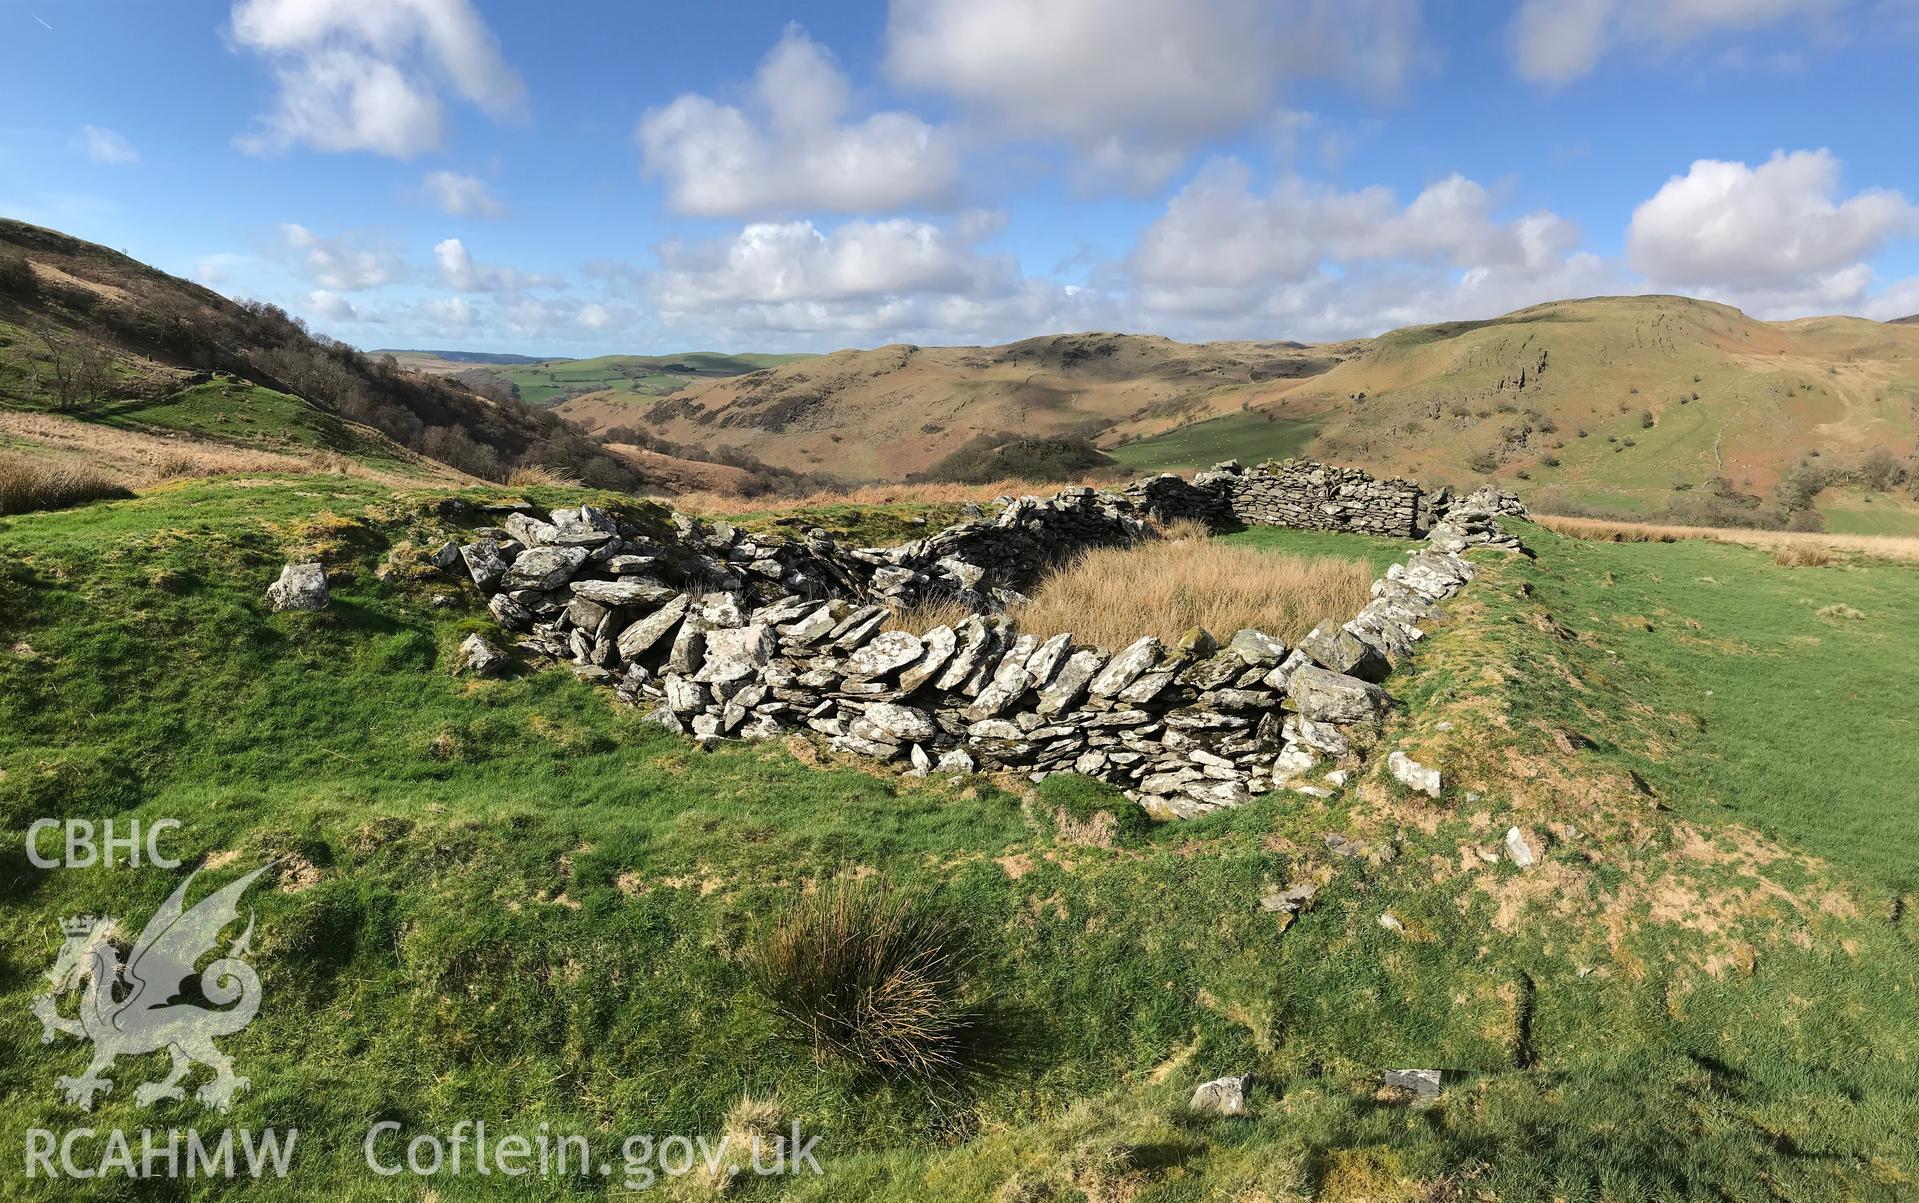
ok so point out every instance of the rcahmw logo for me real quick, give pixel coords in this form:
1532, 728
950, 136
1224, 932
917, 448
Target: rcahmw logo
128, 1007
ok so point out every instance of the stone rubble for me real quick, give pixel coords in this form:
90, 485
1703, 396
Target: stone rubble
723, 634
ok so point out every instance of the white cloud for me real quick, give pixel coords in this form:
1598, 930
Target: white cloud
1775, 238
367, 74
1309, 261
797, 150
331, 306
863, 281
103, 145
341, 264
1136, 85
1557, 41
462, 195
460, 272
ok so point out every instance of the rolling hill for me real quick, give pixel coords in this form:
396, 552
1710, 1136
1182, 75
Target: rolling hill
1619, 402
600, 391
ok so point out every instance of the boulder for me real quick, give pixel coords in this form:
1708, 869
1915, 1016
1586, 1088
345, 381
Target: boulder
484, 564
300, 587
478, 657
894, 723
1321, 696
625, 591
544, 568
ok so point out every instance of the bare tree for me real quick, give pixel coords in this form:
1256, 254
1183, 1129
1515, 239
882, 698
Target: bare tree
92, 371
63, 366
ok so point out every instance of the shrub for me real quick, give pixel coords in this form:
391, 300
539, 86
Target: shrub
1645, 419
16, 276
27, 485
861, 974
1483, 462
1551, 461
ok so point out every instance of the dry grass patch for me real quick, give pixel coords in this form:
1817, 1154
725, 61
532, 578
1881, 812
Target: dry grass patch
1606, 530
28, 485
1112, 596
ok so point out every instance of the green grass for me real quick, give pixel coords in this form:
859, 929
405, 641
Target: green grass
1855, 511
1247, 437
634, 375
529, 907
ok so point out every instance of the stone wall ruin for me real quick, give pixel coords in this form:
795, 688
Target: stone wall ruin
721, 634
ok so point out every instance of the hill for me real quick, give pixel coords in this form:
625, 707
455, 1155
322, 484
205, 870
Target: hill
508, 898
898, 410
1611, 402
101, 354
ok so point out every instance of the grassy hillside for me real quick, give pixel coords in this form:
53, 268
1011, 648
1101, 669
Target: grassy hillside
92, 339
514, 901
898, 410
601, 385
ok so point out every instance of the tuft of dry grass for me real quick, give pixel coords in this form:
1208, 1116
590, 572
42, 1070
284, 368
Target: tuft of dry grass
860, 973
1804, 556
28, 485
1112, 596
532, 475
1892, 547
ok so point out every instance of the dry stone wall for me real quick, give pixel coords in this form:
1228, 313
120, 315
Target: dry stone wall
723, 635
1295, 493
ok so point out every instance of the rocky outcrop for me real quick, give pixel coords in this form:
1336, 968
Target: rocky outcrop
722, 635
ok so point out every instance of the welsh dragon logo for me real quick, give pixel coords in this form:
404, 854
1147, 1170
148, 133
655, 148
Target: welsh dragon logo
133, 1007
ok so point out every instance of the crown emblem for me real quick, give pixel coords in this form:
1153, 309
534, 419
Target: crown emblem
80, 925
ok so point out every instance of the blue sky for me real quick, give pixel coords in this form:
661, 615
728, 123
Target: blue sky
594, 177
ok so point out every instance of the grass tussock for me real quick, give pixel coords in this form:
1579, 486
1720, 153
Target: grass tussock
860, 973
1804, 555
533, 475
1892, 547
29, 485
1112, 596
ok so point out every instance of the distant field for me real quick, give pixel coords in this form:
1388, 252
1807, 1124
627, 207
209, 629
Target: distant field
628, 375
1249, 437
1858, 512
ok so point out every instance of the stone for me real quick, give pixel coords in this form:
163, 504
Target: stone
975, 638
939, 644
1344, 652
544, 568
888, 652
630, 565
625, 591
898, 724
300, 587
1523, 848
956, 760
641, 637
1126, 667
478, 657
445, 557
1197, 642
529, 530
1256, 648
737, 653
484, 564
1069, 686
1222, 1096
1328, 697
1045, 661
1423, 1083
1413, 775
1291, 900
814, 627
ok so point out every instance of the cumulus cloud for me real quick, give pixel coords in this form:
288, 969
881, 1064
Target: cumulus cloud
1557, 41
345, 263
794, 148
1774, 238
1309, 261
459, 271
1135, 85
331, 306
462, 195
368, 74
103, 145
863, 280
